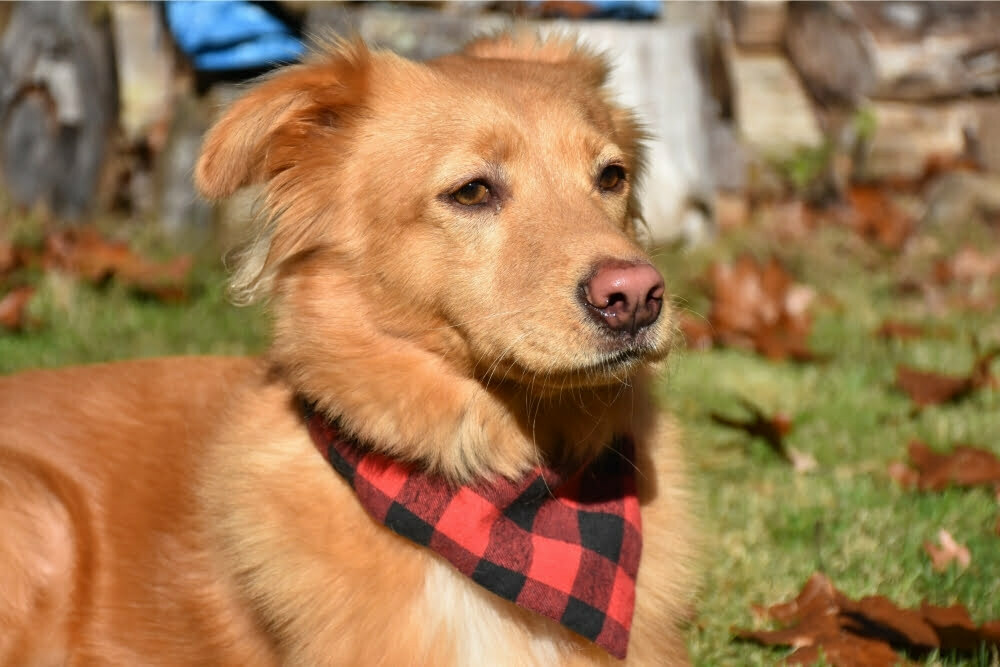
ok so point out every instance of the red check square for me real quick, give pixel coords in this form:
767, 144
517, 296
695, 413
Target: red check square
383, 474
622, 601
555, 562
467, 520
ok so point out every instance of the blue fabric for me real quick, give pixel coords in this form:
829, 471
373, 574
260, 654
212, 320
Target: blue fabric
620, 9
627, 9
230, 35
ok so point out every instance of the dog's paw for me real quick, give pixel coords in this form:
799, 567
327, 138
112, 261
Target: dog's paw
488, 441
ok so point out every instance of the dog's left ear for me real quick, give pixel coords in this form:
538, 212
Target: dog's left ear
264, 131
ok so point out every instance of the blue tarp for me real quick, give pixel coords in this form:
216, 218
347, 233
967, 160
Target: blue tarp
230, 35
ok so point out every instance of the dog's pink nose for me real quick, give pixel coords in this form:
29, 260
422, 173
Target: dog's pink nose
624, 296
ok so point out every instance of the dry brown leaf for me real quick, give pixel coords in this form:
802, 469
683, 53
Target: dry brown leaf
14, 308
963, 466
929, 388
900, 330
968, 265
875, 216
823, 621
8, 257
82, 251
947, 551
759, 307
771, 430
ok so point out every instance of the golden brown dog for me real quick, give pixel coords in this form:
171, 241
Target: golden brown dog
451, 259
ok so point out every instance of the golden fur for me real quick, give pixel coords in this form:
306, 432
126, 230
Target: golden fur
175, 512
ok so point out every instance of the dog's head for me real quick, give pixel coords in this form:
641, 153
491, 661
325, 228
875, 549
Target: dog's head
481, 206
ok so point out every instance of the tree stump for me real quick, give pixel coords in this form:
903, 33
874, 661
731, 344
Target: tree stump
58, 105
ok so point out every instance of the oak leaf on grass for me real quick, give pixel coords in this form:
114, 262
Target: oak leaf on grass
758, 306
870, 632
14, 308
929, 388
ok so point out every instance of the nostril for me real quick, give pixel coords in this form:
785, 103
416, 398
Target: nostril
616, 298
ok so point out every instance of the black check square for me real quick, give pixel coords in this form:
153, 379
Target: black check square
602, 533
580, 617
409, 525
505, 583
525, 508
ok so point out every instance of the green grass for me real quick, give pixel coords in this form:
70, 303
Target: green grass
767, 527
79, 323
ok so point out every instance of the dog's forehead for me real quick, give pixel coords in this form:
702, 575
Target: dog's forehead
474, 99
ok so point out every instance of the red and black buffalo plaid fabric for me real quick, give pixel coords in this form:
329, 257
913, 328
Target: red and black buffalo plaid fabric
564, 547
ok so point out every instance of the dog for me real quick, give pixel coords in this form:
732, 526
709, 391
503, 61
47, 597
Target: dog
450, 453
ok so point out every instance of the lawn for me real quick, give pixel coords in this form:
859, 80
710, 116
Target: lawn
766, 526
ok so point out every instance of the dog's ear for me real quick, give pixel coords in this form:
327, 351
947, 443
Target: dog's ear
257, 137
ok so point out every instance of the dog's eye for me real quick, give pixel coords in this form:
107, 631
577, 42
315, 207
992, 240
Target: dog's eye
472, 194
612, 177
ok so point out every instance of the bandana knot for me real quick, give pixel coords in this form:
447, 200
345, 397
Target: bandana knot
564, 547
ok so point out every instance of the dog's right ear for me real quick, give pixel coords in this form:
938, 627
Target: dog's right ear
259, 134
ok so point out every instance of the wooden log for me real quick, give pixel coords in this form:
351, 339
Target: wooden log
758, 23
773, 114
57, 105
914, 51
908, 137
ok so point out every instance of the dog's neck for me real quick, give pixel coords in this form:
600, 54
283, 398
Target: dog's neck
512, 433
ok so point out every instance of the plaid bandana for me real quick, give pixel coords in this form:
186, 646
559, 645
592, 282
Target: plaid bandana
564, 547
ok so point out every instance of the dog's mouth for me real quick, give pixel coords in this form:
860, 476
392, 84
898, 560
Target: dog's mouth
613, 363
607, 367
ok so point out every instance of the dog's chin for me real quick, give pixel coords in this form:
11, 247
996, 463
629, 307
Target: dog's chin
594, 369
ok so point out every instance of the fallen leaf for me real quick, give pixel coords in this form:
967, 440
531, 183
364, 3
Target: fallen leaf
875, 216
947, 551
759, 307
14, 308
963, 466
82, 251
870, 631
900, 330
967, 265
8, 257
928, 388
771, 430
